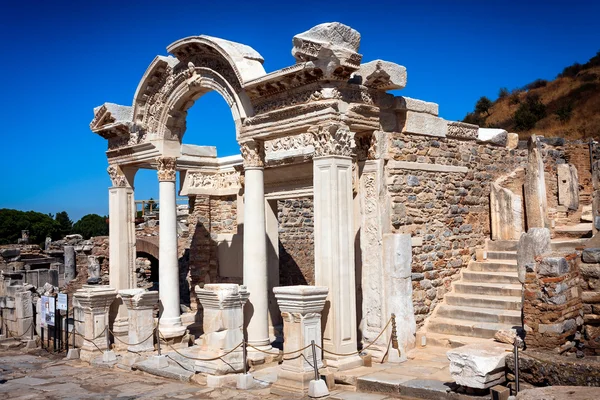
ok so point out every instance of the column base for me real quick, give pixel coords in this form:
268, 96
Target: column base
121, 331
172, 329
257, 357
233, 365
292, 383
344, 363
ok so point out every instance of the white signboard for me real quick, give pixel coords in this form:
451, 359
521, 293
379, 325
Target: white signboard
62, 302
44, 306
48, 310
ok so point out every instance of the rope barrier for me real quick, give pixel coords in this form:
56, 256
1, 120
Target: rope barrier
197, 358
363, 349
132, 344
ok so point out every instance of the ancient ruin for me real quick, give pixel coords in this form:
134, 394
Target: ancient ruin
353, 217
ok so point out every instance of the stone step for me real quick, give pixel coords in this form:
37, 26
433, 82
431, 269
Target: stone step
564, 244
465, 328
476, 314
477, 300
501, 245
491, 277
493, 266
581, 230
492, 289
502, 255
447, 340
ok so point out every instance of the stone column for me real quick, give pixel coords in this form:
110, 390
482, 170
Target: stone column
223, 321
334, 241
140, 305
301, 308
70, 265
168, 271
94, 302
596, 196
121, 256
255, 246
536, 207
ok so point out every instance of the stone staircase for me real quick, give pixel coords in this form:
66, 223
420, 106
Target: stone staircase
486, 298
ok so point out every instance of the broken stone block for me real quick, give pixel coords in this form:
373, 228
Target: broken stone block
568, 186
383, 75
536, 204
328, 46
506, 213
492, 135
553, 266
424, 124
591, 255
512, 141
534, 243
478, 366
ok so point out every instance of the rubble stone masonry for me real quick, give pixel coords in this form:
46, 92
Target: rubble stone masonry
449, 211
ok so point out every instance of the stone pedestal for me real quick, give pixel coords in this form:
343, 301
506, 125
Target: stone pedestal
168, 273
301, 308
568, 186
223, 322
255, 246
140, 306
334, 241
17, 312
94, 302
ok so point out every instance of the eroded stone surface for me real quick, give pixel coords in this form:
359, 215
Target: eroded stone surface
478, 366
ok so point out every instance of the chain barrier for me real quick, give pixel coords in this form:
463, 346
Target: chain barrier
392, 318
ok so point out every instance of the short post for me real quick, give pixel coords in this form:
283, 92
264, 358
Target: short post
158, 340
42, 333
245, 356
516, 344
314, 352
106, 335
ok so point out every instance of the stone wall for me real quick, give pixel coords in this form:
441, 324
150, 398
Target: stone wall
590, 286
552, 308
208, 217
449, 211
296, 242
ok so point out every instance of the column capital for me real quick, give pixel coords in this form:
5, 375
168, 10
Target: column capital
332, 139
117, 177
253, 152
166, 168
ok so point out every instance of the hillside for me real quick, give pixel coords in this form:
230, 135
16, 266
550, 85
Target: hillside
568, 106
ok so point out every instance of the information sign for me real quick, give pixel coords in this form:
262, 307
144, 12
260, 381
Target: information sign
62, 302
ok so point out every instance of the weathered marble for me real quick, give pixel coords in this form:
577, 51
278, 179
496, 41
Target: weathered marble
140, 306
536, 207
478, 366
568, 186
301, 308
534, 243
506, 213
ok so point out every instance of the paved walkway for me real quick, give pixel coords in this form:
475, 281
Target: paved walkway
41, 375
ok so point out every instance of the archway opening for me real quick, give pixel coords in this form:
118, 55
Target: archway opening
210, 122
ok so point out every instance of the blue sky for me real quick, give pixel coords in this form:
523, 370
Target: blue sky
61, 59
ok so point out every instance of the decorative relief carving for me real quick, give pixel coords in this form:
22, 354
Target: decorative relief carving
203, 180
365, 146
462, 130
166, 168
116, 175
253, 153
332, 139
288, 100
289, 143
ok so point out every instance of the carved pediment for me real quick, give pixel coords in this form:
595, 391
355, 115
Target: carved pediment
112, 120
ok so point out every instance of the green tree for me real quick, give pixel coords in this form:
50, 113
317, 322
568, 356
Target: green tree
529, 113
483, 105
64, 222
91, 225
39, 225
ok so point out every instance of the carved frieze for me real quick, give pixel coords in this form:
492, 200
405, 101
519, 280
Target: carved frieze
253, 153
332, 139
218, 181
116, 175
462, 130
167, 168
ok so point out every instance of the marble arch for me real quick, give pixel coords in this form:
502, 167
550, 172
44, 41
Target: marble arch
309, 129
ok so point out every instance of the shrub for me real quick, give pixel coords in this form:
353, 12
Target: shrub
564, 113
529, 113
571, 71
91, 225
483, 105
538, 83
473, 118
502, 93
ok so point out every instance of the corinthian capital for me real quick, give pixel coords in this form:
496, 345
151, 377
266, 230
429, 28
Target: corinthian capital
253, 153
166, 168
332, 139
117, 177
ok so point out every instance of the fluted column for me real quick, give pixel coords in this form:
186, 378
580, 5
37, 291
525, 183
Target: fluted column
121, 211
255, 245
334, 240
168, 270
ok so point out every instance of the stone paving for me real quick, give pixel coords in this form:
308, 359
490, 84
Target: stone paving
41, 375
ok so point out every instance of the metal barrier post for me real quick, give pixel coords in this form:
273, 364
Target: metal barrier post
107, 338
516, 344
157, 340
245, 356
315, 366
